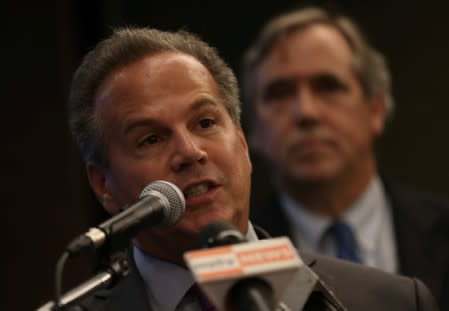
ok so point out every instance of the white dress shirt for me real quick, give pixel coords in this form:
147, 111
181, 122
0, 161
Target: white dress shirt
369, 217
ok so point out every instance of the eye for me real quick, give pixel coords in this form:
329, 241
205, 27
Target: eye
279, 89
327, 83
207, 123
151, 139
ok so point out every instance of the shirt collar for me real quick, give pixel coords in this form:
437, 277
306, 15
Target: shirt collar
308, 227
160, 275
364, 216
167, 283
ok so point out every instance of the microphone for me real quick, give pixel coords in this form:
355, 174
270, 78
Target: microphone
160, 203
220, 233
242, 276
260, 275
251, 294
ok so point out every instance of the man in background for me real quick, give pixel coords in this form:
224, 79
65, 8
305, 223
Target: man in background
319, 97
149, 105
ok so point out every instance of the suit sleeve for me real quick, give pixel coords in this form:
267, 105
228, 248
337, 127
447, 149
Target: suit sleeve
424, 299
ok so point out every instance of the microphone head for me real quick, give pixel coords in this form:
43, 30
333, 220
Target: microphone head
219, 233
173, 197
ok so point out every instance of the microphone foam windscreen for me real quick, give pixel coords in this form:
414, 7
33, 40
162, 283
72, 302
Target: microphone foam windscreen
219, 233
174, 196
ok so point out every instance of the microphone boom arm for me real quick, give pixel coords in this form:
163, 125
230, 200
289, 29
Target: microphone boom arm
114, 272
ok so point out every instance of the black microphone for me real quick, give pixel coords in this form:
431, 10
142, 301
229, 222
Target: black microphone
160, 203
250, 293
220, 233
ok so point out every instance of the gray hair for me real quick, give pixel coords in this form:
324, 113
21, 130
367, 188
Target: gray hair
368, 64
123, 47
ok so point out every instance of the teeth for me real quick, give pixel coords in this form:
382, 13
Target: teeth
196, 190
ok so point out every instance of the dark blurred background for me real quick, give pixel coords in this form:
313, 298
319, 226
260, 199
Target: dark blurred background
48, 201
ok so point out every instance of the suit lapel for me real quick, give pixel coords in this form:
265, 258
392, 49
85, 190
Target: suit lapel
129, 295
312, 261
271, 216
299, 291
423, 250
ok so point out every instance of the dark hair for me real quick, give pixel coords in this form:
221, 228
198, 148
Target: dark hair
123, 47
369, 65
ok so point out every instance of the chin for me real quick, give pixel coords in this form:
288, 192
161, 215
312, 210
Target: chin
311, 171
305, 178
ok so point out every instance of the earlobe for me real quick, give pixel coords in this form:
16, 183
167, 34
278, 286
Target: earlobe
106, 199
98, 182
242, 138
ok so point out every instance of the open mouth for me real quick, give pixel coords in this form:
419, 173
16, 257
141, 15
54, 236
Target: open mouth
197, 190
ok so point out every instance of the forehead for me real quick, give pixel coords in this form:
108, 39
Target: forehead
154, 84
308, 50
156, 76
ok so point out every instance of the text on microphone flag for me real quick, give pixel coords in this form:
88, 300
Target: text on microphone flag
243, 259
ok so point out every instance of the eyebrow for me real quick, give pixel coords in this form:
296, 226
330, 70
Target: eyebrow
142, 122
203, 102
280, 81
292, 79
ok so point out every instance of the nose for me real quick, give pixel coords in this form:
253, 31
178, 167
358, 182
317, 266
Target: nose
187, 151
305, 108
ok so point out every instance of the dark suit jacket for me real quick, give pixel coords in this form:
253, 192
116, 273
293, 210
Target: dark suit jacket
421, 231
356, 286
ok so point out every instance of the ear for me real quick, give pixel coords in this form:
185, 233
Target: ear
378, 111
98, 182
242, 139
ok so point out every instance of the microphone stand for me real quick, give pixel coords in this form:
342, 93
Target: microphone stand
114, 272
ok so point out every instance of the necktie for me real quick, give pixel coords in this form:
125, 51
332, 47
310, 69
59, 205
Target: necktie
205, 303
346, 245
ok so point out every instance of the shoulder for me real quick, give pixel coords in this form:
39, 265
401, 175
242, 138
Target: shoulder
420, 200
269, 214
363, 288
425, 212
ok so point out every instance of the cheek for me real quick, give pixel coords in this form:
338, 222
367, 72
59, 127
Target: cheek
129, 177
354, 127
232, 158
269, 135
